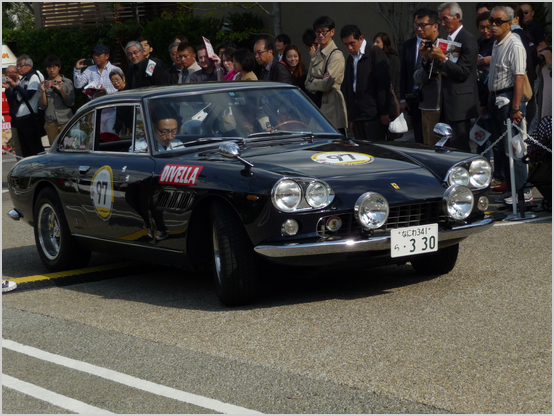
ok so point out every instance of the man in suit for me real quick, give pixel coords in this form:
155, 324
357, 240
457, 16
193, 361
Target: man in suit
408, 65
459, 94
272, 70
366, 86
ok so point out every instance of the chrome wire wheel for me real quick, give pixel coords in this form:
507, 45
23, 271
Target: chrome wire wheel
49, 231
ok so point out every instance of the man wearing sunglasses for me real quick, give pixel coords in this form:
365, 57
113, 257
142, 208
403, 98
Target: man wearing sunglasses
506, 79
459, 94
534, 28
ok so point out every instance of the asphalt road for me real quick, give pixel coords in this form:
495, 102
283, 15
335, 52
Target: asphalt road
476, 340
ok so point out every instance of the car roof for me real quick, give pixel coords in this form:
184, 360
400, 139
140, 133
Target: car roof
157, 91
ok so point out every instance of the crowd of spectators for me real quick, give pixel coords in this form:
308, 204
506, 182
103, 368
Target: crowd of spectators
357, 93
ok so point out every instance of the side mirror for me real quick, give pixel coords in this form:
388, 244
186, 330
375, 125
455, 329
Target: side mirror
444, 132
231, 150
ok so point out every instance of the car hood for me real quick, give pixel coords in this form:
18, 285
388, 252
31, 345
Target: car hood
351, 171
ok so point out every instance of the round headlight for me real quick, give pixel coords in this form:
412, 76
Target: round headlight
318, 195
287, 194
480, 173
371, 210
458, 176
458, 202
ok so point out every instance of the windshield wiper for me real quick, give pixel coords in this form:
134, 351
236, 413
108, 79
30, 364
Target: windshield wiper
278, 132
204, 140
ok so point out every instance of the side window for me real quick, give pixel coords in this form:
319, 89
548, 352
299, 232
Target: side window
81, 135
140, 144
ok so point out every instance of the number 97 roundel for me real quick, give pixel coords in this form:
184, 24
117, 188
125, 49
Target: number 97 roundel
101, 191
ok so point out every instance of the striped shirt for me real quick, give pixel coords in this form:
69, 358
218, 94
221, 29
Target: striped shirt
92, 74
508, 60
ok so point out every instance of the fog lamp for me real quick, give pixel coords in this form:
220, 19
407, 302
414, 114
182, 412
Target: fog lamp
290, 227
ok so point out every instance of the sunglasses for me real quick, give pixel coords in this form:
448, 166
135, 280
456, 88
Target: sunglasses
498, 21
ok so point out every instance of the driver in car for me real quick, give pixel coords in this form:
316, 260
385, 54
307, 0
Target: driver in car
166, 126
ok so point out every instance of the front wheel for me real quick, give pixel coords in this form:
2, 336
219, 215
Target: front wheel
56, 246
439, 262
234, 260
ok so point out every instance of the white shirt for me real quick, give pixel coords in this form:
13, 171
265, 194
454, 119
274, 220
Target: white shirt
92, 74
357, 58
508, 60
452, 36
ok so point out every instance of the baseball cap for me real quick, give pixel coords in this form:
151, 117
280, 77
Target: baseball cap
101, 49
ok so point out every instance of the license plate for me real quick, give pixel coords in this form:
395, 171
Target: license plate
414, 240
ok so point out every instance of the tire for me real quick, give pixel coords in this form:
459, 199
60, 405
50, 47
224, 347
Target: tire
439, 262
234, 262
58, 249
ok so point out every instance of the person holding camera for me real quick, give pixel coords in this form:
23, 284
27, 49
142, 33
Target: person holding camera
57, 96
96, 70
427, 77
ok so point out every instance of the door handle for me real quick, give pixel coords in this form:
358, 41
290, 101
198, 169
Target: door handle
83, 169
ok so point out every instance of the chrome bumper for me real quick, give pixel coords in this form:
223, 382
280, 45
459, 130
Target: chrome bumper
371, 244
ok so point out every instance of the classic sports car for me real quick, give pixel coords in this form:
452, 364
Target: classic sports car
229, 176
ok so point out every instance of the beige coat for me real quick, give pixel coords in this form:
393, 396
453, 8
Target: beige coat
332, 102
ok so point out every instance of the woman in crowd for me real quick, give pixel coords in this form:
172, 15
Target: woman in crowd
244, 63
281, 42
117, 79
382, 40
227, 61
293, 61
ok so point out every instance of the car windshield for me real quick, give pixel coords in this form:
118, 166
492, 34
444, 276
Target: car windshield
188, 120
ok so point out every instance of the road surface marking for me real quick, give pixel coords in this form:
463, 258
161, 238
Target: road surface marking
76, 272
127, 380
56, 399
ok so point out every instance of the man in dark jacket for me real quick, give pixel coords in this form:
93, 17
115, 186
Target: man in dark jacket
410, 61
272, 69
366, 86
144, 72
459, 94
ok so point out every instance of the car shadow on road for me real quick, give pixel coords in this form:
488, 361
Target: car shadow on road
171, 287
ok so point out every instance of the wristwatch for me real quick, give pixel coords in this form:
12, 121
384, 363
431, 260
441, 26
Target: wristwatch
514, 110
219, 69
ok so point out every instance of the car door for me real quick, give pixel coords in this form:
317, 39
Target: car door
114, 182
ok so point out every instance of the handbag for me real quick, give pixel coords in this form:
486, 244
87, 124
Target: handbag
527, 90
478, 134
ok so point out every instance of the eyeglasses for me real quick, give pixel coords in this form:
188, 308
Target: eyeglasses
134, 53
322, 32
422, 25
446, 19
527, 12
258, 53
497, 21
21, 65
166, 132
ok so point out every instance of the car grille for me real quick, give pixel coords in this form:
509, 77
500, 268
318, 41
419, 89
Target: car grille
174, 199
399, 217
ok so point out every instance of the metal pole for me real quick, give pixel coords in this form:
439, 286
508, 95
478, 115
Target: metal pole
512, 173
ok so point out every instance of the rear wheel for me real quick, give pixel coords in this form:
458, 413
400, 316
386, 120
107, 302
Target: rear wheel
56, 246
234, 260
439, 262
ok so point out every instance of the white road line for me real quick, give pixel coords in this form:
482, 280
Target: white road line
4, 191
56, 399
127, 380
505, 223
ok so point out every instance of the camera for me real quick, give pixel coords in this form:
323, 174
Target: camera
540, 58
3, 80
428, 44
88, 62
49, 84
